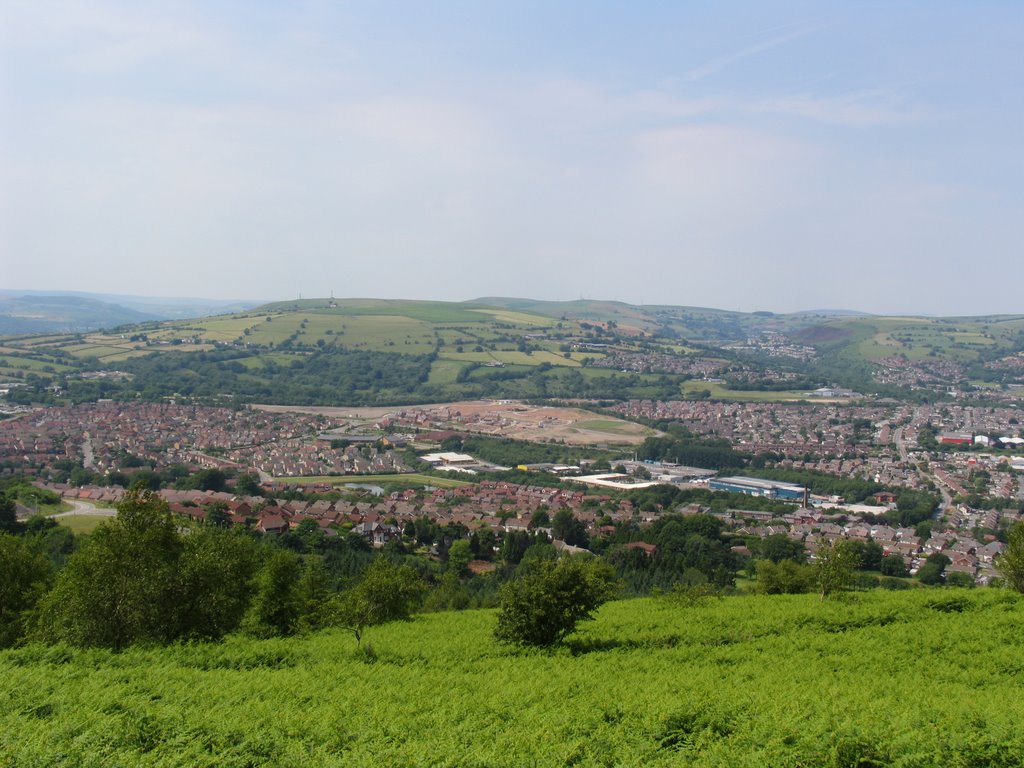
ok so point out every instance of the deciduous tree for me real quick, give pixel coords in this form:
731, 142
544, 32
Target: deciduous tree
835, 566
543, 606
1011, 561
387, 592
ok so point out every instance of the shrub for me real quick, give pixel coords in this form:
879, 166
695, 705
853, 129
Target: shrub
543, 606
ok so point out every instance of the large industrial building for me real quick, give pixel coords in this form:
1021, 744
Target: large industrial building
752, 486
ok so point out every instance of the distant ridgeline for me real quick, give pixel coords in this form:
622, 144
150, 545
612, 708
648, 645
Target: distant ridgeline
366, 351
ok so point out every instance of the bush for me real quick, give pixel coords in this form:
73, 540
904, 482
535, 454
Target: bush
386, 593
543, 606
784, 578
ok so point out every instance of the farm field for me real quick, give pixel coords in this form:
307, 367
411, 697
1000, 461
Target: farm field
927, 678
349, 350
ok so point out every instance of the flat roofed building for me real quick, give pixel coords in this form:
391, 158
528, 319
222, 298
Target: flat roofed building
752, 486
448, 458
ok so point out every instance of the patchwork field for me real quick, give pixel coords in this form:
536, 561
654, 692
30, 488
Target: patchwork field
519, 349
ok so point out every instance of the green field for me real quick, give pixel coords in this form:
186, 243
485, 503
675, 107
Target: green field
444, 371
721, 392
368, 331
613, 426
928, 678
82, 523
411, 477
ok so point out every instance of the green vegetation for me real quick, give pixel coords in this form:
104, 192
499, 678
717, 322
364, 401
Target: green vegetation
82, 523
760, 680
321, 351
411, 479
546, 603
1011, 562
681, 448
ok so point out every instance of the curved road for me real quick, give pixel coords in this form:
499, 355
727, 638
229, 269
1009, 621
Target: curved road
86, 508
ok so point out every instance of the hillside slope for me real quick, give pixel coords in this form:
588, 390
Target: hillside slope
928, 678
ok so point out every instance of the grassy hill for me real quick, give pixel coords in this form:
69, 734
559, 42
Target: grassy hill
925, 678
376, 351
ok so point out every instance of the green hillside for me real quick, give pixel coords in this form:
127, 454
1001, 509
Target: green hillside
376, 351
926, 678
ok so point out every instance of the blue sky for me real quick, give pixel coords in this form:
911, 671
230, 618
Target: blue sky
759, 155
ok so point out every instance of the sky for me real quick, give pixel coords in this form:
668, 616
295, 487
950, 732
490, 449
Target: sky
778, 156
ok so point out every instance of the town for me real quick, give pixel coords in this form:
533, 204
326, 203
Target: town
965, 454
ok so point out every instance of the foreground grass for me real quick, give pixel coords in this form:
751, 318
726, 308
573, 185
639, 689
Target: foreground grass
928, 678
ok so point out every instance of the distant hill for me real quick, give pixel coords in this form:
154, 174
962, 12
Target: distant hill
79, 312
360, 351
63, 314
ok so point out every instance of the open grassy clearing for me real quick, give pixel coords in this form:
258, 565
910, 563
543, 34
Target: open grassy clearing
428, 311
228, 328
32, 364
410, 477
516, 318
385, 333
99, 350
721, 392
924, 678
82, 523
508, 357
613, 427
444, 371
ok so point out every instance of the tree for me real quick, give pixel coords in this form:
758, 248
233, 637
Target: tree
959, 579
217, 515
276, 606
835, 566
8, 514
216, 569
869, 555
893, 565
543, 606
25, 575
931, 573
123, 586
540, 517
779, 547
248, 484
785, 577
387, 592
568, 528
1011, 561
459, 556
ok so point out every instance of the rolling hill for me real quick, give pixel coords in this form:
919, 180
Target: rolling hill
377, 351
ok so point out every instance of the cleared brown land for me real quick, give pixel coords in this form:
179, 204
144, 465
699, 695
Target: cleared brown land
574, 426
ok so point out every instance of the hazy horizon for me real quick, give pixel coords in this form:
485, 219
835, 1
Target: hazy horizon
747, 156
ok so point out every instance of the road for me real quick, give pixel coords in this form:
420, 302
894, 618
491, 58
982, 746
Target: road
88, 459
86, 508
904, 447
